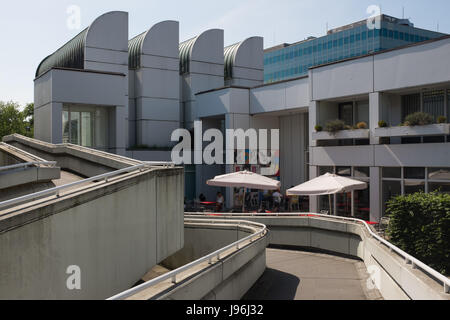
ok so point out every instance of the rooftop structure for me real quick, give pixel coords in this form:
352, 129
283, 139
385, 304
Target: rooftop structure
353, 40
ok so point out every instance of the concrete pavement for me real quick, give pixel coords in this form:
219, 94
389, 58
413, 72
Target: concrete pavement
297, 275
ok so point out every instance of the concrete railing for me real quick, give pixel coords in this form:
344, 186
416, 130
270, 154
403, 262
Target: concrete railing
57, 190
50, 164
257, 231
426, 272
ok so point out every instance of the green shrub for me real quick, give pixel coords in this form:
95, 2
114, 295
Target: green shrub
361, 125
335, 126
418, 119
441, 119
420, 225
382, 124
318, 128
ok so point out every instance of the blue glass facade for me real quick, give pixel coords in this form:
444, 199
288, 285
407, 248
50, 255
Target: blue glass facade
357, 40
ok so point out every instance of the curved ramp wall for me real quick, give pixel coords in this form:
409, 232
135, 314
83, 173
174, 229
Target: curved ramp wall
113, 231
395, 279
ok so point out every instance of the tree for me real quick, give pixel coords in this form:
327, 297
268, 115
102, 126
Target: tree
13, 120
28, 114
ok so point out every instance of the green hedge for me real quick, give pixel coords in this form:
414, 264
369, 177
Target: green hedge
420, 225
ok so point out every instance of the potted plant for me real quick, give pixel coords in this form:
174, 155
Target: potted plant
418, 119
335, 126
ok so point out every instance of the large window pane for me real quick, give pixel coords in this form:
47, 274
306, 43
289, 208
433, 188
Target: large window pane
344, 204
443, 187
87, 129
439, 174
362, 172
362, 204
392, 173
346, 113
324, 203
325, 170
414, 173
434, 103
66, 126
344, 171
414, 186
391, 189
410, 105
75, 128
362, 112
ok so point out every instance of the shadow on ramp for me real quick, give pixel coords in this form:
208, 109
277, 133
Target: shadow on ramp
274, 285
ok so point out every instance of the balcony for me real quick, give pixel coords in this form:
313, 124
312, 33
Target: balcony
342, 135
416, 131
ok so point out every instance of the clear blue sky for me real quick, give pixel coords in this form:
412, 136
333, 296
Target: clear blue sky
31, 30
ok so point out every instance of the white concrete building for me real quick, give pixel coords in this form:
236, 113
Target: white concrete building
81, 90
167, 86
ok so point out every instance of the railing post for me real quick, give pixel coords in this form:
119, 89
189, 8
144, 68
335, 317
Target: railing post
174, 279
446, 288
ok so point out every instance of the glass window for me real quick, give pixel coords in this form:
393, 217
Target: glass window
391, 189
439, 174
75, 128
410, 105
414, 173
434, 103
362, 172
443, 187
325, 170
414, 186
344, 204
392, 173
65, 124
362, 204
346, 113
87, 126
344, 171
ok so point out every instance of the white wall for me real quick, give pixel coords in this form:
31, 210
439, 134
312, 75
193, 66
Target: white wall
115, 234
414, 66
157, 90
280, 97
349, 78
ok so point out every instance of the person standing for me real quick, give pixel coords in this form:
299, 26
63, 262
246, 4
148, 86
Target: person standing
220, 202
277, 198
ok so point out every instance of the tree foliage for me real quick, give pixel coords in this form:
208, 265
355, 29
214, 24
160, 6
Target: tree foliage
14, 120
420, 225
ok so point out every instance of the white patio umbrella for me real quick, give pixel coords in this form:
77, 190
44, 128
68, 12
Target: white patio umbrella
327, 184
246, 180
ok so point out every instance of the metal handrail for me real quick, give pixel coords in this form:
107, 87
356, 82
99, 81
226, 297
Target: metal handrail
51, 164
415, 263
57, 190
173, 274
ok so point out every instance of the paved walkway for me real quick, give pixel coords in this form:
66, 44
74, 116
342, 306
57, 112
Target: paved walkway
297, 275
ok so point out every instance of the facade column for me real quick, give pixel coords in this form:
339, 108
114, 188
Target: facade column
375, 194
375, 115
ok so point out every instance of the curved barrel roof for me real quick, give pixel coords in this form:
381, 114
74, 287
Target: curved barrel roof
135, 50
71, 55
230, 55
185, 54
